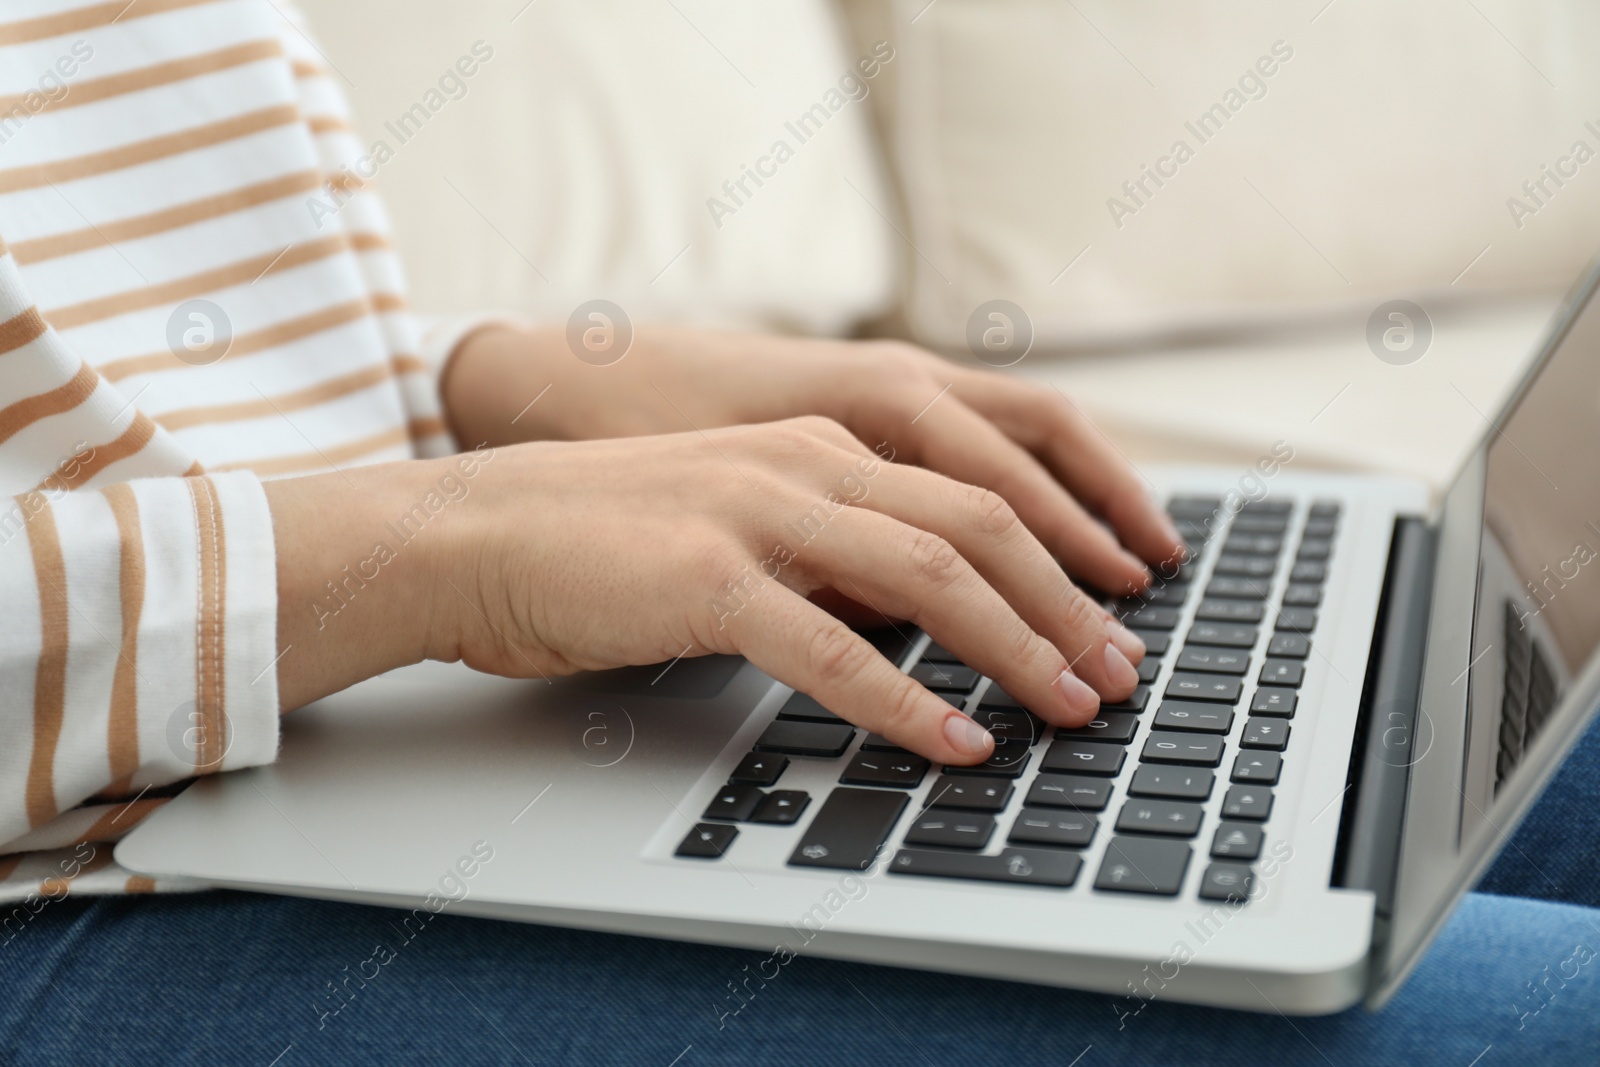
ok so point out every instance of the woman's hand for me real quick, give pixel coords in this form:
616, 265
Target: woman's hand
556, 557
1029, 444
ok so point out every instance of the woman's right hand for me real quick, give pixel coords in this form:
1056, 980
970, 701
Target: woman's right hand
559, 557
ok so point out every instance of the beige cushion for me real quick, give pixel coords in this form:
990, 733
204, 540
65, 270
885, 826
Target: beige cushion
580, 159
1376, 161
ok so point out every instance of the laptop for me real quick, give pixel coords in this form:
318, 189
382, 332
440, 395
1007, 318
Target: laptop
1351, 697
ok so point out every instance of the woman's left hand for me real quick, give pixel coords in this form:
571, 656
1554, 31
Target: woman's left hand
1027, 443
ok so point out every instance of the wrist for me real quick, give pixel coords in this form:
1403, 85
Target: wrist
495, 381
359, 567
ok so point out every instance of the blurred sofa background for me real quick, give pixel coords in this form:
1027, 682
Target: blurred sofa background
1197, 206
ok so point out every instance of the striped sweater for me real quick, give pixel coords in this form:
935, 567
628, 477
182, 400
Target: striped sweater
196, 292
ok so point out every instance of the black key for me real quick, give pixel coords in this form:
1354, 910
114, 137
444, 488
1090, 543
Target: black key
892, 644
1282, 672
806, 738
1315, 548
1278, 702
1151, 617
948, 828
1025, 866
1069, 791
1237, 841
1230, 611
937, 653
971, 794
1135, 703
1239, 588
1037, 826
1083, 757
1143, 865
1113, 727
1008, 760
1269, 734
1149, 667
1247, 802
782, 807
995, 697
1308, 570
1222, 635
734, 803
1175, 783
1008, 724
1195, 716
1297, 620
1214, 660
1226, 881
1204, 687
951, 677
1266, 507
955, 700
879, 743
1321, 528
1155, 643
802, 708
886, 769
1247, 566
849, 829
1173, 818
1193, 506
1165, 747
1325, 509
759, 769
1257, 767
1167, 594
1289, 646
1249, 544
1272, 524
707, 841
1302, 596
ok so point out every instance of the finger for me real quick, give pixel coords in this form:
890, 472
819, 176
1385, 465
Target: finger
989, 535
955, 440
1049, 425
803, 646
917, 574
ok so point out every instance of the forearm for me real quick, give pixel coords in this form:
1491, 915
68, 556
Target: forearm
358, 573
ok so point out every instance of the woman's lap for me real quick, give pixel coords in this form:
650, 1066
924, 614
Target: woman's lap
233, 977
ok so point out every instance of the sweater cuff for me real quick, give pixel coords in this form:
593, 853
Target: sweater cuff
208, 701
442, 336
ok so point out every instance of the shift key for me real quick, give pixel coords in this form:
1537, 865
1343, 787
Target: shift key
849, 829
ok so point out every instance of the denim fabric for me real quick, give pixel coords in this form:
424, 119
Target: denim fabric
1555, 853
225, 978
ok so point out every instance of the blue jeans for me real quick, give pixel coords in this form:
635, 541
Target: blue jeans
239, 978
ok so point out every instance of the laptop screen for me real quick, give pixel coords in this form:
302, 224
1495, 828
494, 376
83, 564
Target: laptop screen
1537, 619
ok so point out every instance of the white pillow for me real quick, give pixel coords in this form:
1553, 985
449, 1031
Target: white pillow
580, 160
1375, 162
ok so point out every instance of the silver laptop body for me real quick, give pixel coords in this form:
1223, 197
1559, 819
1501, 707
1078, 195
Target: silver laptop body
1444, 675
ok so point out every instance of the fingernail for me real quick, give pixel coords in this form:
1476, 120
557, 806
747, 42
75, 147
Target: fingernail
1080, 698
966, 736
1172, 529
1126, 641
1119, 672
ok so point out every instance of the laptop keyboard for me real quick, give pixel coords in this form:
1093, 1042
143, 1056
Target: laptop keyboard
1213, 713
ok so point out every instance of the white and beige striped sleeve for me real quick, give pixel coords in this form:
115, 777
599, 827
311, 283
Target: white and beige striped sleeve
140, 599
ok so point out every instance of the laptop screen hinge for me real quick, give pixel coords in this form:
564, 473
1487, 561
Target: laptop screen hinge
1380, 761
